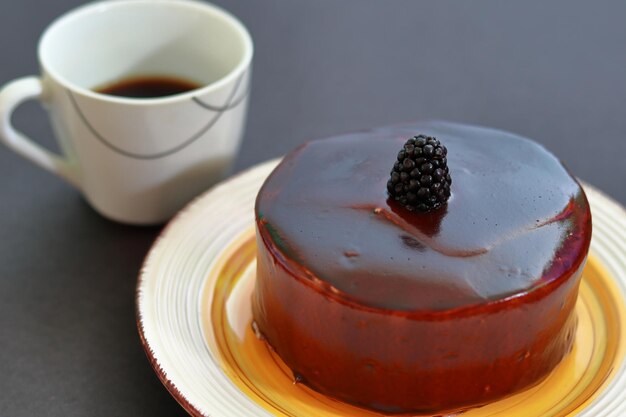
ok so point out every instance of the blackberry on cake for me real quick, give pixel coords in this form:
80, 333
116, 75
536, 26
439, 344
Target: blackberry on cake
420, 178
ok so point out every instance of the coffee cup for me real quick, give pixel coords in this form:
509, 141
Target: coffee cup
138, 159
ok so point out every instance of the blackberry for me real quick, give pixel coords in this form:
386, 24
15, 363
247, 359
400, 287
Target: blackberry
420, 178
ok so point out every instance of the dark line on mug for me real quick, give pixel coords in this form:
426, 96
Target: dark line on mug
228, 105
232, 105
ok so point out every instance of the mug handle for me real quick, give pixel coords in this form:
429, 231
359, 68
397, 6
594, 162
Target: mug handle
11, 96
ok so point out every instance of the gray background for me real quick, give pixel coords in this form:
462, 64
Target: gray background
551, 70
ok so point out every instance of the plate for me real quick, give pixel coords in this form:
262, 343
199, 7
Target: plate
195, 321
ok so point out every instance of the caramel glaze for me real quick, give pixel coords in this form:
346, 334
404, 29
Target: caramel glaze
420, 313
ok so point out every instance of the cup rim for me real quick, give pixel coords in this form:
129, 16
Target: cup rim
100, 5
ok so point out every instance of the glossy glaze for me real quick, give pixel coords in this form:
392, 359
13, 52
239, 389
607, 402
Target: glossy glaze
404, 312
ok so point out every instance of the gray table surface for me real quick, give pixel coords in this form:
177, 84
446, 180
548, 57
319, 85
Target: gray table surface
554, 71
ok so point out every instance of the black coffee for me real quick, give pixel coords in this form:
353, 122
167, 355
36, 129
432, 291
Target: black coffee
148, 87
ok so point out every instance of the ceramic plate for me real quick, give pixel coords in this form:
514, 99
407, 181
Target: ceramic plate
194, 319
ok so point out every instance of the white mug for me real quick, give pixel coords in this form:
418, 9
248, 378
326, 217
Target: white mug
138, 160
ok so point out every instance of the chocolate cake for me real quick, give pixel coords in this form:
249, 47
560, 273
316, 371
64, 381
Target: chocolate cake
409, 311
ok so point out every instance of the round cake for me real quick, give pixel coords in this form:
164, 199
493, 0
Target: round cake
405, 311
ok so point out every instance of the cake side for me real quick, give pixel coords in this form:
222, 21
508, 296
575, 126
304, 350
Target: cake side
396, 363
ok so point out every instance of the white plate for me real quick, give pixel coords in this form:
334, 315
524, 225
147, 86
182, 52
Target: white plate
194, 319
